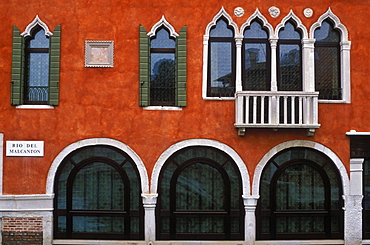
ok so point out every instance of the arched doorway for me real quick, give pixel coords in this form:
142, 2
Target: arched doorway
200, 196
300, 197
97, 195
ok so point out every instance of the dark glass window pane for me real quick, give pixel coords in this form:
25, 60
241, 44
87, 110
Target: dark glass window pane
300, 187
255, 31
221, 66
98, 186
327, 72
221, 30
327, 68
300, 224
40, 40
98, 224
200, 187
200, 225
162, 85
289, 32
38, 77
162, 40
62, 185
255, 67
290, 67
326, 33
62, 224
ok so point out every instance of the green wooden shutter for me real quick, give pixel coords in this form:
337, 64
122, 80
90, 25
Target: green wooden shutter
181, 68
16, 97
144, 51
54, 66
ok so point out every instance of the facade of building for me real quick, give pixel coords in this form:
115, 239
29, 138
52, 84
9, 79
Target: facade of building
184, 122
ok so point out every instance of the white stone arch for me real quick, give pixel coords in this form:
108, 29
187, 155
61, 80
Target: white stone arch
298, 22
335, 20
200, 142
220, 14
92, 142
257, 15
35, 22
165, 23
300, 143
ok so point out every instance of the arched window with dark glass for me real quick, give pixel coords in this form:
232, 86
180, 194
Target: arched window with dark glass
300, 197
221, 60
37, 67
162, 67
256, 60
327, 62
97, 196
200, 197
289, 58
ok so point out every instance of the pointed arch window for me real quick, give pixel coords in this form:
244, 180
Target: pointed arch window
289, 51
35, 65
301, 197
327, 62
200, 197
257, 61
97, 196
162, 66
221, 60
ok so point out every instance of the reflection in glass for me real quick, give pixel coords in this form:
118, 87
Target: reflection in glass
256, 56
221, 74
98, 186
221, 66
289, 58
290, 67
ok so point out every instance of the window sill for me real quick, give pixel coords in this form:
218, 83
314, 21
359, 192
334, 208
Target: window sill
334, 101
162, 108
34, 107
218, 98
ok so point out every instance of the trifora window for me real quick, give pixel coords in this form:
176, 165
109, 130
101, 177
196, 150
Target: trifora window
200, 197
97, 196
301, 197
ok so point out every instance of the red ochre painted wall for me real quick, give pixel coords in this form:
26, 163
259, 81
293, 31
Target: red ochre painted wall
103, 102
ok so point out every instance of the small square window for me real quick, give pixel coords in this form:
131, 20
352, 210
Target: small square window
99, 53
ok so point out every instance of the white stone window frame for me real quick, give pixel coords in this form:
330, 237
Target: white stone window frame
230, 22
345, 59
308, 52
89, 45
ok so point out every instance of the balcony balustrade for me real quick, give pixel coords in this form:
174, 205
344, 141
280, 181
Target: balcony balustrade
276, 109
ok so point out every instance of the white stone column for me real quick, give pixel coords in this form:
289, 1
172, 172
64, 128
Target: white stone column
273, 44
353, 205
250, 204
149, 204
346, 70
238, 77
308, 65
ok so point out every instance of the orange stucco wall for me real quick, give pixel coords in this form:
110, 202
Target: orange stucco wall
103, 102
